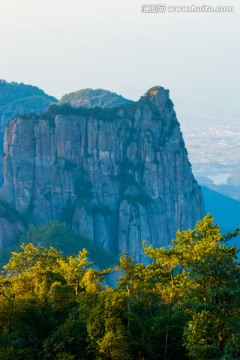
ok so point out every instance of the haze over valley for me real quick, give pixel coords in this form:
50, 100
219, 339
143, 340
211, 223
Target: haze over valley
214, 147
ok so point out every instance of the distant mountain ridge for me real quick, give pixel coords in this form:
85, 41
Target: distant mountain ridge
12, 91
18, 98
89, 98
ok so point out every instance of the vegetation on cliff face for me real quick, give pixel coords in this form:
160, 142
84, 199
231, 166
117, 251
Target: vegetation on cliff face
68, 110
9, 212
58, 235
12, 225
183, 305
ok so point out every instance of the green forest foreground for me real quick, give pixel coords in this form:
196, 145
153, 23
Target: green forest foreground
185, 304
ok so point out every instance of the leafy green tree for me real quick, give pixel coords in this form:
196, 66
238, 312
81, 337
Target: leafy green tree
107, 327
154, 322
185, 300
211, 291
68, 341
73, 269
168, 290
37, 296
202, 278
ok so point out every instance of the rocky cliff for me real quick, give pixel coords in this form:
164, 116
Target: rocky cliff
20, 98
119, 176
15, 99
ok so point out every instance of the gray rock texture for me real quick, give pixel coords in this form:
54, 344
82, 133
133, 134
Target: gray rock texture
118, 176
18, 98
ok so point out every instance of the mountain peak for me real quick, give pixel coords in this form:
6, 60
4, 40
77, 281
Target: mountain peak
13, 91
157, 95
90, 98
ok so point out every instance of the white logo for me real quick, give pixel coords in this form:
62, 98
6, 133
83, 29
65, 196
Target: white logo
153, 8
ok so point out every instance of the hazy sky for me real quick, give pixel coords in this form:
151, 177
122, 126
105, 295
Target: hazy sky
66, 45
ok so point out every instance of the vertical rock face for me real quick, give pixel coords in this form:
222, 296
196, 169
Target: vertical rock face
19, 99
119, 176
